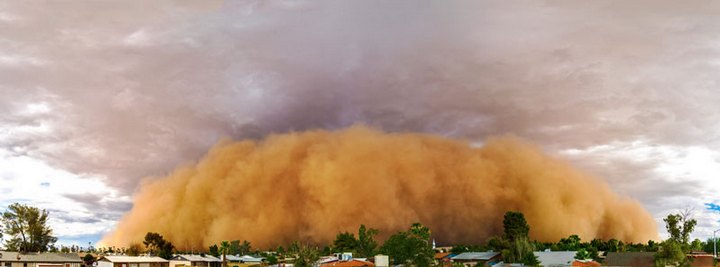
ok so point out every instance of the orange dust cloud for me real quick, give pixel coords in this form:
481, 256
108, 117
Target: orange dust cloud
310, 185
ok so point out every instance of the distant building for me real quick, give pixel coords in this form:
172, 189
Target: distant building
700, 259
555, 258
244, 259
15, 259
132, 261
189, 260
472, 259
630, 259
382, 260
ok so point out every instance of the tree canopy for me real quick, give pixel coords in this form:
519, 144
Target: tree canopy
26, 228
157, 245
517, 248
515, 225
410, 247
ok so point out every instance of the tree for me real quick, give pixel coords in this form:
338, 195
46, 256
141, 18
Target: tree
570, 243
671, 253
410, 247
366, 244
515, 225
27, 229
697, 245
582, 254
306, 256
345, 242
214, 250
517, 248
679, 226
135, 249
271, 259
88, 259
224, 249
157, 245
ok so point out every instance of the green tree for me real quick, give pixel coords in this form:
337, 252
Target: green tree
157, 245
271, 259
224, 249
27, 229
708, 247
515, 225
571, 243
457, 249
410, 247
697, 245
582, 254
671, 253
306, 256
366, 244
214, 250
679, 226
517, 248
245, 248
345, 242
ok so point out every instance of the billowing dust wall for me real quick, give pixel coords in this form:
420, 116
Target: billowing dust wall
310, 185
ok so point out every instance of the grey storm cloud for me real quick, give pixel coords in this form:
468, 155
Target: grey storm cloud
136, 88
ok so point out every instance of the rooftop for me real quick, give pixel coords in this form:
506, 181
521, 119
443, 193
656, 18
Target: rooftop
191, 257
473, 256
555, 258
9, 256
135, 259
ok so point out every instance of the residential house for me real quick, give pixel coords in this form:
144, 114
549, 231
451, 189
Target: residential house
16, 259
472, 259
700, 259
132, 261
630, 259
555, 258
190, 260
243, 261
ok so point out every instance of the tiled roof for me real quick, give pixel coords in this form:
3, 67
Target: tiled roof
8, 256
589, 263
134, 259
441, 255
350, 263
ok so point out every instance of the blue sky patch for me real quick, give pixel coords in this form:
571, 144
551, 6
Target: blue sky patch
712, 206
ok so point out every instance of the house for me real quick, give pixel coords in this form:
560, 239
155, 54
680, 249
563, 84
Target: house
132, 261
471, 259
443, 256
555, 258
188, 260
701, 259
16, 259
630, 259
243, 261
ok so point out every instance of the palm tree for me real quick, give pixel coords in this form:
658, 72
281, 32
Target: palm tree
224, 248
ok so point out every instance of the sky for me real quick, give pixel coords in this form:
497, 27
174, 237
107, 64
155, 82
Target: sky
96, 96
